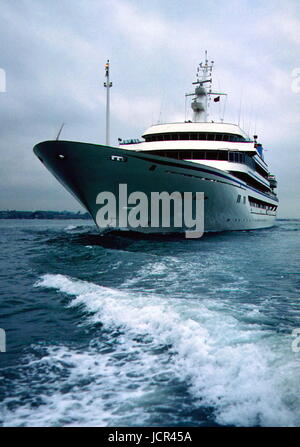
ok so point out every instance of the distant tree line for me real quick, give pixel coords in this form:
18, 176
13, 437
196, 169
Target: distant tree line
13, 214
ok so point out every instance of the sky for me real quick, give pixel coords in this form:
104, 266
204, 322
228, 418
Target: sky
52, 57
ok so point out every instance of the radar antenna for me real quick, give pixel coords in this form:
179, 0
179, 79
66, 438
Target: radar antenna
202, 94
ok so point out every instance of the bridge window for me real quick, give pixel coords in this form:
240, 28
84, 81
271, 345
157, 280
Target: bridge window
202, 136
183, 136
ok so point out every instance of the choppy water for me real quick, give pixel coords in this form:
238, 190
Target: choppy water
115, 330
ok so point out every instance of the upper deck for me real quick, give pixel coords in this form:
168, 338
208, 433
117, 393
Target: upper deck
200, 127
193, 136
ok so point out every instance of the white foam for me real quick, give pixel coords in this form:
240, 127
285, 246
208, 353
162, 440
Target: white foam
93, 395
246, 374
71, 227
80, 227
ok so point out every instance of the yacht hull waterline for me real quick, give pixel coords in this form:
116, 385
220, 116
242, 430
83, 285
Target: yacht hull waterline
85, 170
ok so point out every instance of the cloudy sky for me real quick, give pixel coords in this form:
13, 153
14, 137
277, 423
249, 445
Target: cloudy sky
53, 52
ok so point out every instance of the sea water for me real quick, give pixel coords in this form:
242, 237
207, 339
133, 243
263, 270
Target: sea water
116, 329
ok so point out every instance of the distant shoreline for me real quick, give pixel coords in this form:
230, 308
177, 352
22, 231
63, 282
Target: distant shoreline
63, 215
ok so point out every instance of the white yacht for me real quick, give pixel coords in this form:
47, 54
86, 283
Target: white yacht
215, 158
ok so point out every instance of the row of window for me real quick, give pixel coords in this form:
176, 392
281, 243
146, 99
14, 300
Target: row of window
210, 136
256, 203
191, 155
235, 157
241, 157
250, 181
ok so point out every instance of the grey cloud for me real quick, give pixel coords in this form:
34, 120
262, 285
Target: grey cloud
54, 52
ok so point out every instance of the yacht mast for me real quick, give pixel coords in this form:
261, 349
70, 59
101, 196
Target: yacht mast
107, 85
203, 84
203, 93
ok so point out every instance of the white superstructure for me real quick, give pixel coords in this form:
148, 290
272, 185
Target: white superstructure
224, 148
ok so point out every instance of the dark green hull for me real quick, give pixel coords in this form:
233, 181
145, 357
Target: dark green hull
88, 169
